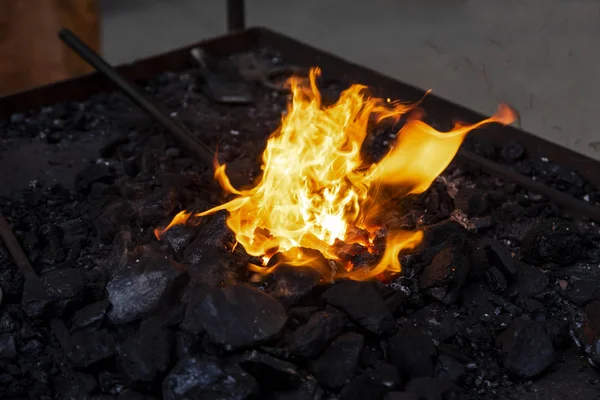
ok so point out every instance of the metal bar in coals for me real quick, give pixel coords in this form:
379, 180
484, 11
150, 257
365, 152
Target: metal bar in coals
562, 199
191, 143
20, 258
15, 250
236, 15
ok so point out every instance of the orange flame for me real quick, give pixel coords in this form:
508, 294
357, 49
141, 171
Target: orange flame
396, 242
181, 218
315, 184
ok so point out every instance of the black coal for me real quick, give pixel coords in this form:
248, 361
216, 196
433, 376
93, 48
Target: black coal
501, 300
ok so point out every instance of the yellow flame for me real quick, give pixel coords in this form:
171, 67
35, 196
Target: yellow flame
396, 241
180, 218
315, 184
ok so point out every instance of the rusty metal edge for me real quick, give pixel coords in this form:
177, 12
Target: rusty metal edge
304, 55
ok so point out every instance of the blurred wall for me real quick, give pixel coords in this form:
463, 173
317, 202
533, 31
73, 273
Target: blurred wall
30, 52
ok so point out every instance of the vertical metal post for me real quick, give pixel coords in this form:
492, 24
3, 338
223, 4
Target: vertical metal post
236, 15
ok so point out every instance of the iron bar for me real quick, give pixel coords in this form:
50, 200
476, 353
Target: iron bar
189, 141
236, 15
20, 258
15, 250
562, 199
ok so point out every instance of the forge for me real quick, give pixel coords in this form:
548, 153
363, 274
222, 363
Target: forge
340, 247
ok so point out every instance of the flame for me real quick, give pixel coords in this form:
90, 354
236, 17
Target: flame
181, 218
316, 186
395, 243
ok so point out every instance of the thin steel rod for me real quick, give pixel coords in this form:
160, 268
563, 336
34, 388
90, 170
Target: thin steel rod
15, 250
20, 258
191, 143
565, 200
236, 15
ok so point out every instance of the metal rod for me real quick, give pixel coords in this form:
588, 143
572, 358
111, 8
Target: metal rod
20, 258
15, 250
565, 200
191, 143
236, 15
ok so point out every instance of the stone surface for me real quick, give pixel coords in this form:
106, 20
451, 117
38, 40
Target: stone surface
214, 268
436, 237
412, 351
513, 151
129, 394
147, 355
436, 321
338, 363
496, 280
214, 235
443, 278
373, 383
401, 396
111, 383
311, 338
90, 316
185, 343
53, 293
96, 173
271, 373
587, 332
235, 316
7, 346
434, 389
91, 347
363, 304
471, 201
291, 283
553, 243
206, 377
179, 237
529, 281
8, 323
500, 257
141, 288
581, 292
308, 389
449, 368
526, 347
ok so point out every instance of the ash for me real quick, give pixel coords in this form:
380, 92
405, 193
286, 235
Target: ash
500, 301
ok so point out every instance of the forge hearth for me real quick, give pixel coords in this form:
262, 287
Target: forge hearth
499, 299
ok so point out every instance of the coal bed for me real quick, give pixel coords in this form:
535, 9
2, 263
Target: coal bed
500, 300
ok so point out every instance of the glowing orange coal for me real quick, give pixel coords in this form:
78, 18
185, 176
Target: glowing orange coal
315, 185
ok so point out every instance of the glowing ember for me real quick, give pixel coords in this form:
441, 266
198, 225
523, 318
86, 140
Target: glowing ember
315, 186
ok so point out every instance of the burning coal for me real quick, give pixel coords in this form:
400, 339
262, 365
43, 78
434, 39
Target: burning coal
317, 189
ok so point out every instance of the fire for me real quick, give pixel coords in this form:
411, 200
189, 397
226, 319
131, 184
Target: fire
181, 218
316, 187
